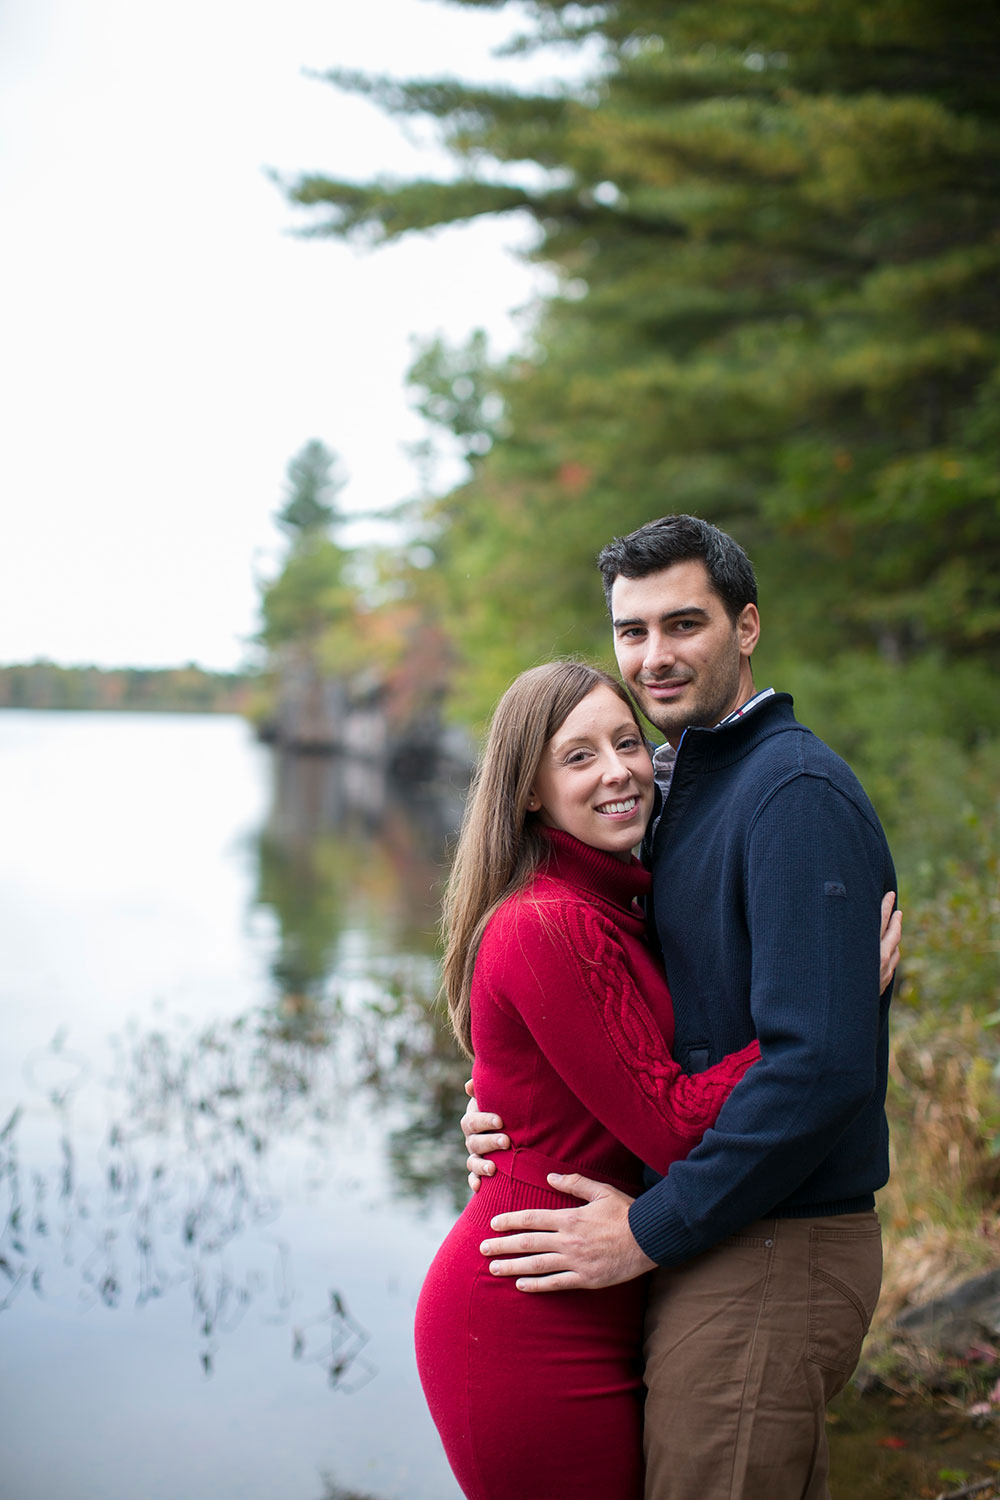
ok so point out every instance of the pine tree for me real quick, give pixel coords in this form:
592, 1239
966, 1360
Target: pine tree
311, 596
777, 228
313, 486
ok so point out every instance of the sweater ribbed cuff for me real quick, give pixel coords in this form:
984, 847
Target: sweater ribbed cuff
664, 1239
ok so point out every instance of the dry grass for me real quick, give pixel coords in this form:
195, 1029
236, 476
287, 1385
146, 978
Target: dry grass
941, 1209
944, 1108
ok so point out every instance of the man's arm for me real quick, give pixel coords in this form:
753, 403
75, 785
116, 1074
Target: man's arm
595, 1246
598, 1028
808, 1127
483, 1132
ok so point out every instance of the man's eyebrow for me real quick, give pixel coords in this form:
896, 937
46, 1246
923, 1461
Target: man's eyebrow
671, 614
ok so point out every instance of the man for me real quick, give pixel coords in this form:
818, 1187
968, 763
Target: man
770, 868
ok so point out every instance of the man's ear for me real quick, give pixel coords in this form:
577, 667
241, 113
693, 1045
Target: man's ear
748, 629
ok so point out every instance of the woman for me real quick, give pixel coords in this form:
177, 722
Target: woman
551, 987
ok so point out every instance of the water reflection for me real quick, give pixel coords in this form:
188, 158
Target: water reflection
335, 1341
342, 845
317, 864
333, 1491
212, 1129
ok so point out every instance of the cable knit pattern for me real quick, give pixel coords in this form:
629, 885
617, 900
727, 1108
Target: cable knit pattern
572, 1024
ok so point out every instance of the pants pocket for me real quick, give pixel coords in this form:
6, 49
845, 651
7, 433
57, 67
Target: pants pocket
845, 1277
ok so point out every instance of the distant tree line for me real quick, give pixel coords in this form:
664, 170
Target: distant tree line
189, 689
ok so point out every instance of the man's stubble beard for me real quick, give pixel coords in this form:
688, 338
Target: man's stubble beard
715, 693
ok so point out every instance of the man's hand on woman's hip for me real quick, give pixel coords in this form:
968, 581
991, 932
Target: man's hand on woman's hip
569, 1249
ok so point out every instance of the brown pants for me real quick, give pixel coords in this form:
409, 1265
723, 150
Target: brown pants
745, 1345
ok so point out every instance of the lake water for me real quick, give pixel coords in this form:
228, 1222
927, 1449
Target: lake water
229, 1121
228, 1128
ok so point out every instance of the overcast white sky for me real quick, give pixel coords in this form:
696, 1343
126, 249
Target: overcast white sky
165, 344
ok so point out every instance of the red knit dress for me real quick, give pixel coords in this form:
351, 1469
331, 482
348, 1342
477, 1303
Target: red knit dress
539, 1397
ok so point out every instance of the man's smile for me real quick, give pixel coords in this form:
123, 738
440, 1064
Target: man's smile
664, 687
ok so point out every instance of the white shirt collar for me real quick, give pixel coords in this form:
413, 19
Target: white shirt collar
665, 756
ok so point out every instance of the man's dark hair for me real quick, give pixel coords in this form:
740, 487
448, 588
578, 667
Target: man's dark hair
674, 539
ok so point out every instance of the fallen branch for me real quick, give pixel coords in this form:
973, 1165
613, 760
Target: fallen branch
971, 1489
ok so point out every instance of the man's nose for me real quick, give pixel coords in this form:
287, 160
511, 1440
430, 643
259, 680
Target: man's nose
659, 654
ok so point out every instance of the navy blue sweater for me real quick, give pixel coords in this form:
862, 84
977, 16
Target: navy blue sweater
769, 868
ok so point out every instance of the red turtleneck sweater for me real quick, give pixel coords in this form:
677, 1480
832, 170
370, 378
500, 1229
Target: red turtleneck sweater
572, 1025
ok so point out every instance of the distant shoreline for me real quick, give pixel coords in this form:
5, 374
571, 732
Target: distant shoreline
43, 686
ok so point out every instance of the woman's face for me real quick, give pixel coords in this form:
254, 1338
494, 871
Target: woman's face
595, 778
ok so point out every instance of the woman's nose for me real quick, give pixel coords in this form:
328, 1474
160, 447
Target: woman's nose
616, 769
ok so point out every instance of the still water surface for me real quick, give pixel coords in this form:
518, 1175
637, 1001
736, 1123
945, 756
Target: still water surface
228, 1138
228, 1143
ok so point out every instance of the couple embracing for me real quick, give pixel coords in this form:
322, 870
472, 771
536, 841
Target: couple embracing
672, 1256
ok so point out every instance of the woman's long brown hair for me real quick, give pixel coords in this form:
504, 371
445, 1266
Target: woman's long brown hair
501, 843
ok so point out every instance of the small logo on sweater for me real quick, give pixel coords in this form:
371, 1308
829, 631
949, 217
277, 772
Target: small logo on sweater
834, 888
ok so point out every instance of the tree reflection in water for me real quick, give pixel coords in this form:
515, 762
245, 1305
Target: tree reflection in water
206, 1124
346, 848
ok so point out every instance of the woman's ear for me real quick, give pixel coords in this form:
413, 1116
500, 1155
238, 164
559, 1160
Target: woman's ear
534, 802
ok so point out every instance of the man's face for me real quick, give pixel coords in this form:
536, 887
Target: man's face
680, 655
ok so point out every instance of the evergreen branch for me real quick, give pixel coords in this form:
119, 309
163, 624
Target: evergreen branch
446, 97
383, 211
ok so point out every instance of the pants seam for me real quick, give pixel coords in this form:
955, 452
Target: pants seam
741, 1421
